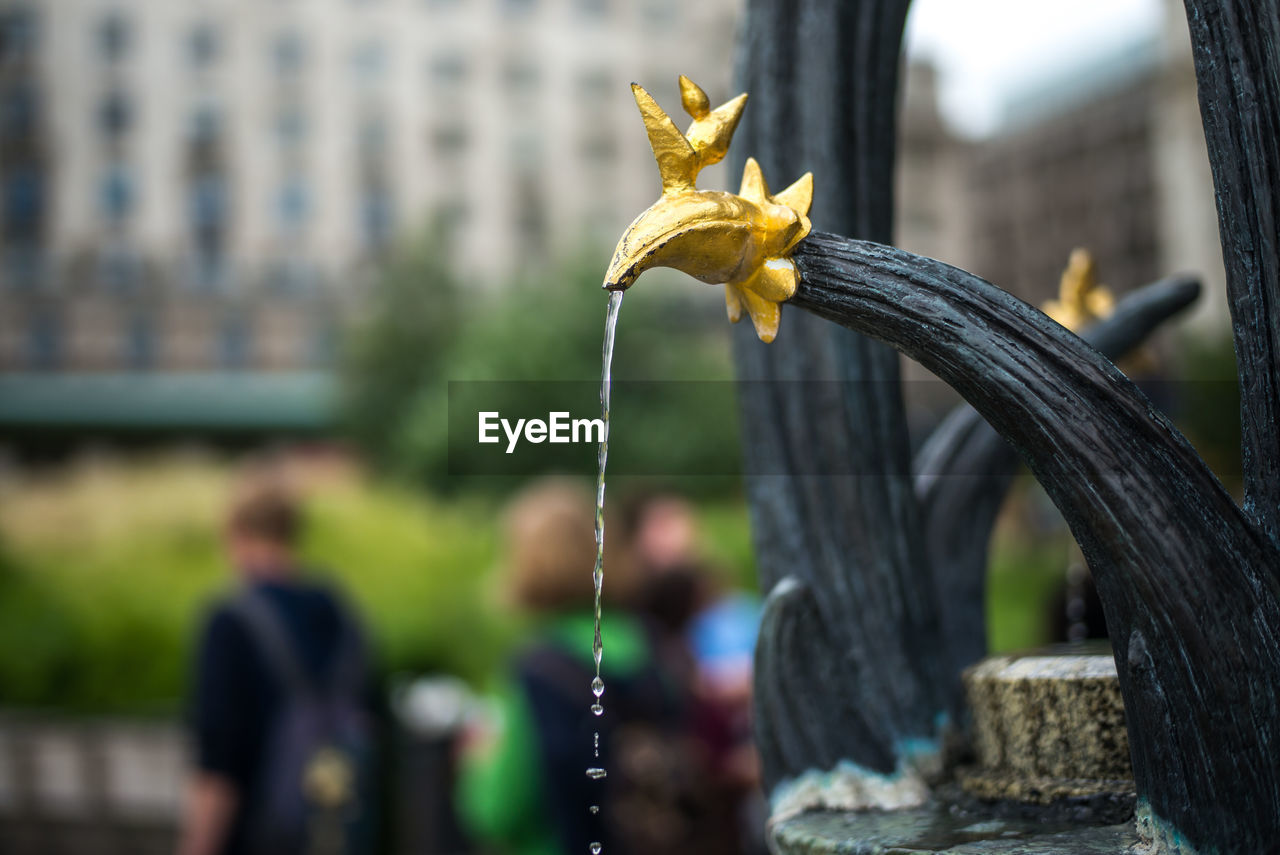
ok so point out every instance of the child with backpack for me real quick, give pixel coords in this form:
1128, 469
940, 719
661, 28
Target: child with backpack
281, 727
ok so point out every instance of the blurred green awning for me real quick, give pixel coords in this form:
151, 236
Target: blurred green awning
238, 402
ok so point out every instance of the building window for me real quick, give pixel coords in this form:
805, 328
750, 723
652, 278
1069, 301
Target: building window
288, 53
450, 140
518, 7
449, 70
373, 136
369, 61
595, 9
140, 344
21, 266
23, 204
233, 344
114, 37
293, 204
599, 150
44, 341
290, 276
520, 76
660, 14
530, 213
115, 114
205, 124
454, 211
452, 216
596, 85
290, 124
116, 192
208, 201
18, 106
203, 45
525, 151
17, 36
119, 268
376, 216
322, 345
207, 213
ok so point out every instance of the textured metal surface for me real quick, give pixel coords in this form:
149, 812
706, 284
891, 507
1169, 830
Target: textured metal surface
1188, 581
855, 658
964, 469
847, 663
1235, 44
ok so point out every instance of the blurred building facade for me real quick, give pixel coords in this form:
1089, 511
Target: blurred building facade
206, 185
1112, 159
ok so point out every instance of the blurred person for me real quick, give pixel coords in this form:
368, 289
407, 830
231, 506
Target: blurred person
1075, 612
280, 718
525, 790
662, 532
706, 639
722, 637
706, 636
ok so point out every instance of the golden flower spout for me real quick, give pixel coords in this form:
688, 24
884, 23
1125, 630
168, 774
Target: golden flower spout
742, 241
1081, 300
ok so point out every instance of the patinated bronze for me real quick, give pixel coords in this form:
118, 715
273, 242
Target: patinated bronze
874, 581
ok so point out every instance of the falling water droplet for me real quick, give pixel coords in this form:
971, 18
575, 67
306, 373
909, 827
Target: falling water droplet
597, 574
602, 458
595, 848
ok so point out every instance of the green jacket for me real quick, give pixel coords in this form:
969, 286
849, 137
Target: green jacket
499, 795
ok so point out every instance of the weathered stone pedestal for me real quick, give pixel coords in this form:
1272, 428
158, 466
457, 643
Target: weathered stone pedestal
1050, 773
1049, 727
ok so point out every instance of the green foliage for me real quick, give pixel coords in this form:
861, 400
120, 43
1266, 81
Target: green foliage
532, 345
1025, 576
1208, 405
106, 571
107, 574
396, 351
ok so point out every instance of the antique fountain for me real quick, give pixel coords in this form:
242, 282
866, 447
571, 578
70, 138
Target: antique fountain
873, 564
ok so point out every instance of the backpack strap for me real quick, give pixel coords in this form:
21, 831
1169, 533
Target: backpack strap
268, 632
349, 670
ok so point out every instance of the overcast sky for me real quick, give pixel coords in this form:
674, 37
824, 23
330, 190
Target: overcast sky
990, 50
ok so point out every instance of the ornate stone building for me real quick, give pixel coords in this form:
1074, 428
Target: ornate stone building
206, 185
1111, 158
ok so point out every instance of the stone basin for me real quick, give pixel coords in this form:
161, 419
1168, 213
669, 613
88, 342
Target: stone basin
1048, 725
1050, 773
936, 828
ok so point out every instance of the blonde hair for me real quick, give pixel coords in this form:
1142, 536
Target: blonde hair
551, 549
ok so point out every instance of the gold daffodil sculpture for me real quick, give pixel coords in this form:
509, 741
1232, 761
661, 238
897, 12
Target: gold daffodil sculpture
742, 241
1082, 300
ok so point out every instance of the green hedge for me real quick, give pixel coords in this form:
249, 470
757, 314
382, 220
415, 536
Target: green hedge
105, 569
104, 572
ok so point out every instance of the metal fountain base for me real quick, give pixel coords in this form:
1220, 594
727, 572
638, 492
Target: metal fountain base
1050, 776
940, 827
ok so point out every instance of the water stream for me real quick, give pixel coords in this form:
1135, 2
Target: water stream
597, 576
